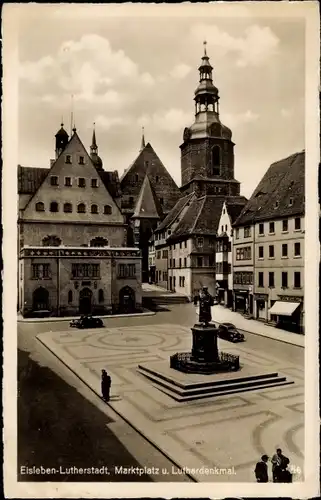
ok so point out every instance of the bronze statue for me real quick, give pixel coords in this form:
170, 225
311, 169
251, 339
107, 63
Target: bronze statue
205, 303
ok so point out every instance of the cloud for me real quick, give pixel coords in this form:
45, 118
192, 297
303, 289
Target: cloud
106, 123
252, 49
180, 71
237, 119
171, 120
89, 69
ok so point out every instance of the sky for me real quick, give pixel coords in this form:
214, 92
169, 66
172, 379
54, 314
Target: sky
129, 69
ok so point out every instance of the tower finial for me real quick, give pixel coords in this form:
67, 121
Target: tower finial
143, 140
205, 43
93, 146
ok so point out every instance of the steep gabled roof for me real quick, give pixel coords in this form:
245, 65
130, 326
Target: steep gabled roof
202, 217
234, 206
30, 178
111, 181
280, 193
147, 205
176, 210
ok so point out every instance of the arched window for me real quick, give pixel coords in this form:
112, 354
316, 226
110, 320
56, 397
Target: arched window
70, 297
94, 209
216, 160
40, 207
81, 209
68, 207
107, 209
99, 241
100, 296
54, 207
51, 241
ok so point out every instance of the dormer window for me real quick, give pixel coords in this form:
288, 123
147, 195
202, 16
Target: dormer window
94, 209
107, 210
94, 183
200, 242
81, 160
53, 180
290, 202
81, 182
54, 207
40, 207
68, 159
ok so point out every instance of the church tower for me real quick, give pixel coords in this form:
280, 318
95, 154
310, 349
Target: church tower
207, 153
97, 161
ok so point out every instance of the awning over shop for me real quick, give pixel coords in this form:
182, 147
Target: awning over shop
281, 308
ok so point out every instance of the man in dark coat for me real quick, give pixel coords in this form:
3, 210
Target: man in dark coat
261, 470
279, 466
105, 385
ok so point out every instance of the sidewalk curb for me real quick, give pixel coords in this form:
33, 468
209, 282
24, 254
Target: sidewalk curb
83, 380
70, 318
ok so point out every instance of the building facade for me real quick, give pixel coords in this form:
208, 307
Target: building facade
268, 247
72, 204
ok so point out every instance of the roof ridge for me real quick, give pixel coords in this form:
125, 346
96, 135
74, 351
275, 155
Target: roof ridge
199, 213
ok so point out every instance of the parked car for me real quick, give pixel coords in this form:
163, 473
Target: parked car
228, 331
87, 322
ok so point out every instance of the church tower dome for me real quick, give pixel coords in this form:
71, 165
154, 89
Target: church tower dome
97, 161
62, 139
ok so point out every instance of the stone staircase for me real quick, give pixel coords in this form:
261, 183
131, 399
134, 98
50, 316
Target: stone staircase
179, 390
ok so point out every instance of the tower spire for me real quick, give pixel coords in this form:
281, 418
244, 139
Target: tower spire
94, 151
142, 146
205, 43
93, 146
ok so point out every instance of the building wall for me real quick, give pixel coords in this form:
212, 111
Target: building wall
279, 263
244, 266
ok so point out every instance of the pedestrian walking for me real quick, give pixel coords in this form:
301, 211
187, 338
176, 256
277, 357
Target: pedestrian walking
105, 385
279, 466
261, 470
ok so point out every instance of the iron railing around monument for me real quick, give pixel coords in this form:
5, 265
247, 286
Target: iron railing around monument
226, 359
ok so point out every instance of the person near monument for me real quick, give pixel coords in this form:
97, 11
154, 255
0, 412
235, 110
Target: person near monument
261, 470
205, 303
105, 385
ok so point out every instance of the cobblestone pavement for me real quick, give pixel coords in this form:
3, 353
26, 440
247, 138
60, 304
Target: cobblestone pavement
229, 432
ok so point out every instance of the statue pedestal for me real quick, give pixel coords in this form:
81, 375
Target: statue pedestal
204, 347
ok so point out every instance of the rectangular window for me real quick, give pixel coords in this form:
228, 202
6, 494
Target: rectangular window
81, 182
182, 281
170, 262
126, 271
271, 279
261, 280
68, 159
199, 261
161, 201
185, 245
284, 249
165, 254
297, 279
261, 252
85, 271
271, 251
237, 234
158, 255
94, 183
53, 180
247, 231
271, 228
174, 281
41, 271
68, 181
81, 160
211, 260
297, 223
200, 242
285, 225
284, 279
174, 263
297, 249
185, 262
261, 228
179, 262
180, 245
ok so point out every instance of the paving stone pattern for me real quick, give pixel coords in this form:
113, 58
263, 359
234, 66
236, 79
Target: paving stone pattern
227, 432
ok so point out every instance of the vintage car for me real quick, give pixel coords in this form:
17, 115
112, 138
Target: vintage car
228, 331
87, 322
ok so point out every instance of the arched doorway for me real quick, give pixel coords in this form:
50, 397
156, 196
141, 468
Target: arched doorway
40, 299
85, 301
127, 301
